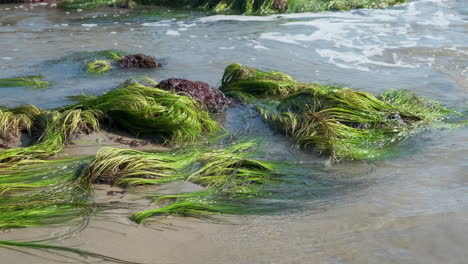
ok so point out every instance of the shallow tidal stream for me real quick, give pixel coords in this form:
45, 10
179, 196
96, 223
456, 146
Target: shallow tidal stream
409, 209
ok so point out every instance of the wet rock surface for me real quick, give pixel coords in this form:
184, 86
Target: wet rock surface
138, 61
214, 100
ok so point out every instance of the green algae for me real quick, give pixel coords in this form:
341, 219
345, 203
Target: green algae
98, 67
265, 7
229, 176
169, 117
57, 128
340, 122
103, 65
247, 7
37, 193
247, 83
127, 168
15, 120
148, 110
86, 4
337, 121
34, 81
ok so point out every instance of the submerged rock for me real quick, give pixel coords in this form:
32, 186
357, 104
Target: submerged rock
138, 61
214, 100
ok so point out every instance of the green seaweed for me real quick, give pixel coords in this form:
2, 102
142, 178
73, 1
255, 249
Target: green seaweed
13, 121
265, 7
112, 55
137, 108
98, 67
247, 7
229, 177
246, 82
351, 124
34, 81
147, 110
338, 121
59, 127
86, 4
40, 193
126, 168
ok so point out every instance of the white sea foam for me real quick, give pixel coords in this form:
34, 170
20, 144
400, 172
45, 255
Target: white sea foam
173, 33
155, 24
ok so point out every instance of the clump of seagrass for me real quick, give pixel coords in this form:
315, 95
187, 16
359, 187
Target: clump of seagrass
351, 124
229, 177
112, 55
138, 61
263, 7
14, 121
58, 128
248, 83
137, 108
338, 121
37, 193
99, 67
212, 98
147, 110
125, 167
34, 81
86, 4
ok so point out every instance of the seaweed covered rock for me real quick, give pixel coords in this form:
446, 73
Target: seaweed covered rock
212, 98
138, 61
338, 121
351, 124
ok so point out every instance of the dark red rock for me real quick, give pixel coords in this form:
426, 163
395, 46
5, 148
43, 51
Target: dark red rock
280, 5
138, 61
214, 100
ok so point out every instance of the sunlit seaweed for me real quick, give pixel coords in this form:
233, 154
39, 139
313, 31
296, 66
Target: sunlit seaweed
58, 129
35, 82
147, 110
29, 174
247, 82
264, 7
228, 176
125, 167
41, 193
86, 4
137, 108
98, 67
13, 121
334, 120
351, 124
112, 55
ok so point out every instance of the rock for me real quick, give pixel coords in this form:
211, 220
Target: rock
280, 5
138, 61
214, 100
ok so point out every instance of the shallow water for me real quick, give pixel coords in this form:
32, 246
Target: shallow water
408, 209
